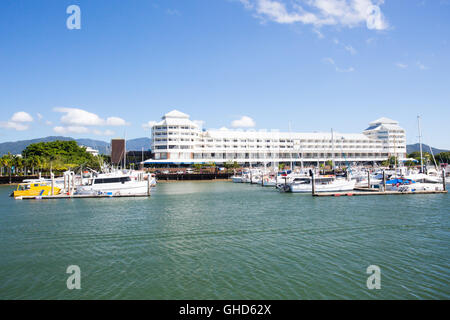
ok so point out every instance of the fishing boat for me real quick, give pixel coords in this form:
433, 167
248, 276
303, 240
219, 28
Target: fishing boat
322, 184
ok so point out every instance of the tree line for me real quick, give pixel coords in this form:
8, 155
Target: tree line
443, 157
45, 157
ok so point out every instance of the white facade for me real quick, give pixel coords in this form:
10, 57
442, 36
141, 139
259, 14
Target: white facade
392, 135
176, 139
92, 151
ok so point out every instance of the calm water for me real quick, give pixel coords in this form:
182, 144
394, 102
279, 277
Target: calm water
218, 240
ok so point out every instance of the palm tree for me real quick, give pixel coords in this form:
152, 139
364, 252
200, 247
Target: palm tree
7, 160
3, 162
34, 162
18, 164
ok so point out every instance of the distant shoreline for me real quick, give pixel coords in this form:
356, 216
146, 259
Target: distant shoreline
193, 180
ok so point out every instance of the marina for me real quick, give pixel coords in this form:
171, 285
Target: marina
224, 159
224, 240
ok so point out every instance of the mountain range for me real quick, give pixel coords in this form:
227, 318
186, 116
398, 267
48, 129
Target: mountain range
410, 148
137, 144
17, 147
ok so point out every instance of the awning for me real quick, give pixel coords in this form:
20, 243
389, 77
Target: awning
410, 159
152, 161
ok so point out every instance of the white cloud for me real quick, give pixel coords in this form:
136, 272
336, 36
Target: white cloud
347, 13
39, 116
421, 66
19, 121
14, 125
401, 65
71, 129
338, 69
48, 122
75, 116
319, 34
21, 116
149, 125
108, 133
243, 122
350, 49
103, 133
173, 12
80, 117
116, 121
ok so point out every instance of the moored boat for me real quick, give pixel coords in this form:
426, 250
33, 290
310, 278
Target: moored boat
321, 184
35, 189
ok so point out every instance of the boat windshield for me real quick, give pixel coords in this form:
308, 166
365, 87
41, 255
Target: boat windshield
23, 187
112, 180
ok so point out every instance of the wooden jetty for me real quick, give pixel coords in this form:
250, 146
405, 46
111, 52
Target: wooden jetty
79, 196
69, 191
369, 191
373, 193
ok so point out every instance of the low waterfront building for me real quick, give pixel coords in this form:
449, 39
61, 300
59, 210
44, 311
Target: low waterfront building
178, 140
90, 150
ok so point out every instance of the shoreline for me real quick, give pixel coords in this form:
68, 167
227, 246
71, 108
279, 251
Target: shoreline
193, 180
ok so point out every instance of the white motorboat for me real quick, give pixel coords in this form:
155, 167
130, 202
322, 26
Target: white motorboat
237, 179
408, 185
322, 184
114, 184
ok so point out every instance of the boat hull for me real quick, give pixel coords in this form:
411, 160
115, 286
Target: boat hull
336, 186
135, 188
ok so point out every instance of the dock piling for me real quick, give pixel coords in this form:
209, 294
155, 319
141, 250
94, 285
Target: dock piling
72, 191
313, 182
443, 179
53, 183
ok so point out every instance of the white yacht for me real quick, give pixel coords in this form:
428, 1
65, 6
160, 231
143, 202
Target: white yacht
114, 184
236, 179
322, 184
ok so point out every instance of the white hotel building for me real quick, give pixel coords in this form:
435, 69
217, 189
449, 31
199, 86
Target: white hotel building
178, 140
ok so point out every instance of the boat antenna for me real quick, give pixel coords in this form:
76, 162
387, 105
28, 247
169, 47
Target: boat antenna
420, 144
434, 159
292, 141
332, 146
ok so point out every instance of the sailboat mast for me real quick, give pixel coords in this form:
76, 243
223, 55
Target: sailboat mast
420, 144
290, 138
332, 146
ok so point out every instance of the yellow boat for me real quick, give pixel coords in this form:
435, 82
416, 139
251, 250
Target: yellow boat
35, 189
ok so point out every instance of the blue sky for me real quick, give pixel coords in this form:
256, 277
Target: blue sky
318, 64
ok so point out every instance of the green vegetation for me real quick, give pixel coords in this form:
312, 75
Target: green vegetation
231, 165
416, 155
390, 162
56, 156
443, 157
329, 163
